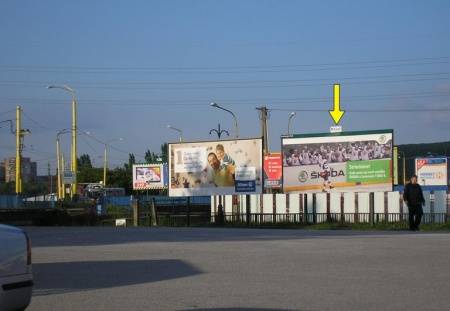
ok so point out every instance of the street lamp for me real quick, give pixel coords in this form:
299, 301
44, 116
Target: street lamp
178, 130
219, 131
61, 193
236, 127
404, 166
291, 116
105, 162
74, 159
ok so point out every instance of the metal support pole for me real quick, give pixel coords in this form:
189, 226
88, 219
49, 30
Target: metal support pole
74, 147
105, 165
18, 150
188, 214
63, 185
247, 209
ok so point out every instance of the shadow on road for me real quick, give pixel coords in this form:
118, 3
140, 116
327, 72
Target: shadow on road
63, 277
235, 309
87, 236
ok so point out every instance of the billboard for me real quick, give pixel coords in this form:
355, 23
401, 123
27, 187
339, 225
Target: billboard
68, 177
272, 170
215, 167
149, 176
431, 171
338, 162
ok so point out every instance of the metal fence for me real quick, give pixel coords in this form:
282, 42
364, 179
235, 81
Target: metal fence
258, 219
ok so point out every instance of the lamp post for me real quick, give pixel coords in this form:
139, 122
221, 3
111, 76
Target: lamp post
177, 130
61, 193
74, 159
105, 162
404, 166
236, 127
219, 131
291, 116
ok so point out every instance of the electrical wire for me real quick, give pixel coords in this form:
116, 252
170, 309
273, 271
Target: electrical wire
208, 69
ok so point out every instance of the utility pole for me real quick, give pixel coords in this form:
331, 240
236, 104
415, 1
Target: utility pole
20, 133
105, 165
263, 116
50, 181
63, 185
18, 151
58, 168
74, 146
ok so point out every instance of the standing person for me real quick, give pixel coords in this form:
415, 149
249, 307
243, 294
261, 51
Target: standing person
413, 197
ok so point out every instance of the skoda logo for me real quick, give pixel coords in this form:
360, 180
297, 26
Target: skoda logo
382, 139
303, 176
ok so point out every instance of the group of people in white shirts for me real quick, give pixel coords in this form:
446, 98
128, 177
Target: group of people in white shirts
335, 153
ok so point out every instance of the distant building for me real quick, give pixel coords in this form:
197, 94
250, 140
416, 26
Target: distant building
29, 169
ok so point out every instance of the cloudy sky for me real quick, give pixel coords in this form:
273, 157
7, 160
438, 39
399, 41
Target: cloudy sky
137, 66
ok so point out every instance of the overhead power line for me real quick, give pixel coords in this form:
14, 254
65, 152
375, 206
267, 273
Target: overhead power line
407, 61
369, 110
262, 86
236, 101
115, 84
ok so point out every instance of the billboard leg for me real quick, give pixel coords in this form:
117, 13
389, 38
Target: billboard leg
247, 209
154, 221
188, 214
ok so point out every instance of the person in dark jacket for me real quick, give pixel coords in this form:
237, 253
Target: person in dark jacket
413, 197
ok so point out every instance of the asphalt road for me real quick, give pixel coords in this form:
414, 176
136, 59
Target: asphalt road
238, 269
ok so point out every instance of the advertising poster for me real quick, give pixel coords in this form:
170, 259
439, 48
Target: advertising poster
339, 162
215, 167
149, 176
431, 171
273, 170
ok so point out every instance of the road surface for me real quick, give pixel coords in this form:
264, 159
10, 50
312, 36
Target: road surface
92, 268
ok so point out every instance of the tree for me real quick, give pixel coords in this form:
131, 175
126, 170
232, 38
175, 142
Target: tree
164, 152
131, 160
84, 161
150, 157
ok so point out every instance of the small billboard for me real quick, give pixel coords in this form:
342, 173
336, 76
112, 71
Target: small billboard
149, 176
273, 170
338, 162
431, 171
68, 178
215, 167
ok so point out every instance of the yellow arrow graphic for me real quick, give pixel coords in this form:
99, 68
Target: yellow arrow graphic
336, 114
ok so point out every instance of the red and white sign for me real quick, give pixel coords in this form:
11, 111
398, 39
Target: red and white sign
273, 170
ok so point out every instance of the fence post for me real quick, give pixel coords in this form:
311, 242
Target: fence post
188, 214
305, 208
135, 206
247, 209
154, 221
314, 209
371, 208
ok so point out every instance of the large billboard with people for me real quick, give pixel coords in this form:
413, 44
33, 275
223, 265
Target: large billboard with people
338, 162
149, 176
431, 171
215, 167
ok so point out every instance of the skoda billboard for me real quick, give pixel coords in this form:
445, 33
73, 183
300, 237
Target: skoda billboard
338, 162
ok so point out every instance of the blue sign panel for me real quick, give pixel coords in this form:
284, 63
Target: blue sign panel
245, 186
